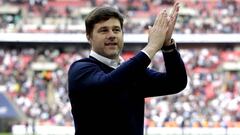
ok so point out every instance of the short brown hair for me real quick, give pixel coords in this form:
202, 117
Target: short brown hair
101, 14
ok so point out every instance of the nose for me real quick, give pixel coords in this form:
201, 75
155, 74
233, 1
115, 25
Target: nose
111, 34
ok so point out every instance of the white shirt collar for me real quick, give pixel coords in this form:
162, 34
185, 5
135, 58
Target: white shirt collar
111, 63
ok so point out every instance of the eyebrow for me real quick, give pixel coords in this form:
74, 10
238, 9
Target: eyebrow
106, 27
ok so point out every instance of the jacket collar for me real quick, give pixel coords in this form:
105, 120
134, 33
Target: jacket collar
110, 62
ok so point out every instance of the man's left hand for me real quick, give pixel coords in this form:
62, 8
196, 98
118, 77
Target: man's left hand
172, 21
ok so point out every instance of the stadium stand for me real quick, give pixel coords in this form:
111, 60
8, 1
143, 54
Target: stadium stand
34, 77
61, 16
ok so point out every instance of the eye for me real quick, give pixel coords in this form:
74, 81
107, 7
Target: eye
103, 30
117, 30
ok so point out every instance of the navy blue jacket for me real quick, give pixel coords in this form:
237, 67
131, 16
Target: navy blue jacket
107, 101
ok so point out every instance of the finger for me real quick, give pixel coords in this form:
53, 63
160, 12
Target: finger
175, 15
149, 26
165, 22
173, 18
159, 17
163, 18
175, 9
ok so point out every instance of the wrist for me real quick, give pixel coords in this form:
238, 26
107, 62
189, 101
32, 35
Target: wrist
169, 42
169, 47
151, 51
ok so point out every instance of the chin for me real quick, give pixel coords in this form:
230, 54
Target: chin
113, 55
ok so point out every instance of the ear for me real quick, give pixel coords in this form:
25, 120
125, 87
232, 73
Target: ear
88, 38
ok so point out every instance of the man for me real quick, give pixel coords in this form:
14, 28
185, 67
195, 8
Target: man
107, 94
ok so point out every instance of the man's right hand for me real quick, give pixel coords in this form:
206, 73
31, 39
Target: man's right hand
157, 34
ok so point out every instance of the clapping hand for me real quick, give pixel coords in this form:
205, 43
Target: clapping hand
172, 21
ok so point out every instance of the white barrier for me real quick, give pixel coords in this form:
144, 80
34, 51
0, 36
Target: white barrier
128, 38
61, 130
192, 131
42, 130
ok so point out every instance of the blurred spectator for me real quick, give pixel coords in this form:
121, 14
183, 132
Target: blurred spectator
195, 16
41, 94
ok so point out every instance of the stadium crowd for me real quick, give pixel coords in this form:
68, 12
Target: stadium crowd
35, 78
67, 16
39, 88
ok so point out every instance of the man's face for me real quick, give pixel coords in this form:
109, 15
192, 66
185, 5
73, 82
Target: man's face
107, 38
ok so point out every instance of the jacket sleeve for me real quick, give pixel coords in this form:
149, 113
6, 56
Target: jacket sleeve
172, 81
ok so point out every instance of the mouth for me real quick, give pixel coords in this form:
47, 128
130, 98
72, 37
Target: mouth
110, 44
